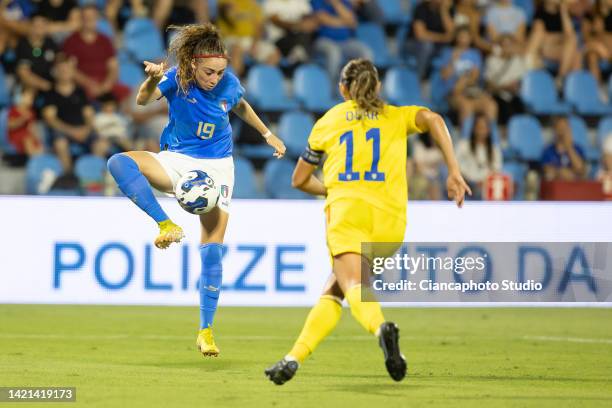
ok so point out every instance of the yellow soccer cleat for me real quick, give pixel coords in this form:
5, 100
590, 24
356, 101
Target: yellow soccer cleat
206, 343
169, 232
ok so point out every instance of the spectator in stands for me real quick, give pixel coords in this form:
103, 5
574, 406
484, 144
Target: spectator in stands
504, 70
478, 156
432, 30
241, 23
290, 26
69, 115
178, 12
597, 35
14, 23
368, 10
118, 12
112, 125
461, 75
563, 159
553, 38
605, 173
97, 67
427, 158
505, 18
147, 121
467, 14
35, 56
63, 16
336, 34
22, 131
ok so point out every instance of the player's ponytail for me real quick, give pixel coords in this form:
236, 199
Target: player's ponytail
360, 78
191, 41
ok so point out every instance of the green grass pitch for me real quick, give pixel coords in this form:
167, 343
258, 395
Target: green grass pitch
146, 357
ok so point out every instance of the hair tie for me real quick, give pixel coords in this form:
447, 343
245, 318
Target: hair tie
210, 56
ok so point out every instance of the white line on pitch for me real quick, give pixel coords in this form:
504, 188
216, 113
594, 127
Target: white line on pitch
568, 339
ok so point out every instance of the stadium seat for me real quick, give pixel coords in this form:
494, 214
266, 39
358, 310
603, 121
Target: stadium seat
439, 92
90, 170
580, 135
468, 124
518, 171
131, 73
41, 172
142, 40
277, 180
104, 27
5, 97
401, 86
266, 89
394, 12
245, 182
294, 128
525, 137
5, 145
373, 36
539, 94
604, 128
312, 87
528, 7
582, 92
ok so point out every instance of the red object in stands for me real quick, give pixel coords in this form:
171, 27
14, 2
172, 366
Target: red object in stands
572, 191
498, 187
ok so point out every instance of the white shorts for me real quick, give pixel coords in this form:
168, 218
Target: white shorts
221, 170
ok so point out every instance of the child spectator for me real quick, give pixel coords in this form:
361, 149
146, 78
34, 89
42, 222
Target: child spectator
478, 156
22, 131
111, 125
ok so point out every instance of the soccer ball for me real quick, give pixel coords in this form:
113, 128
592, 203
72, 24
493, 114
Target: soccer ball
196, 192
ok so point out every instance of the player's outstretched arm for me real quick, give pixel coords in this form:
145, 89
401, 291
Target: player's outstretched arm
245, 112
148, 90
304, 179
455, 184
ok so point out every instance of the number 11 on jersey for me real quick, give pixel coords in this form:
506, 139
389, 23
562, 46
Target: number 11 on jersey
373, 174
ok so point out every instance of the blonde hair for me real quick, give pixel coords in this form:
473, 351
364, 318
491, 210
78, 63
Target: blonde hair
360, 78
193, 40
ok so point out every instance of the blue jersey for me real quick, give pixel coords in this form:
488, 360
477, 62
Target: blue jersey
198, 123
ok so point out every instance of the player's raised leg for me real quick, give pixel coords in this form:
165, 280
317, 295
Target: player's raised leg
213, 227
134, 173
321, 320
348, 268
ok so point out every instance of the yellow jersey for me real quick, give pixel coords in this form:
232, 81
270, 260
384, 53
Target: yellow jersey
366, 157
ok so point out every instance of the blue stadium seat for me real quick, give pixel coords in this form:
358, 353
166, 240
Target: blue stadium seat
604, 128
525, 137
312, 87
90, 170
142, 40
582, 92
401, 86
439, 92
5, 145
266, 90
277, 180
245, 185
43, 168
131, 73
528, 7
373, 36
294, 128
518, 171
104, 27
394, 12
468, 125
539, 94
580, 134
5, 96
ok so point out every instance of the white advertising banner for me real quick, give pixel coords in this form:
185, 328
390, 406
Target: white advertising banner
99, 250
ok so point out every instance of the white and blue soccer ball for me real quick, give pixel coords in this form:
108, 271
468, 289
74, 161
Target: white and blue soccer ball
196, 192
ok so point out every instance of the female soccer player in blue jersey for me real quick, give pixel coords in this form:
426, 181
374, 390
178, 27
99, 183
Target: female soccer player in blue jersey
200, 94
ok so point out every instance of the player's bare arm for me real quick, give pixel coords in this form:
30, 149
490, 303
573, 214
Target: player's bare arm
148, 90
303, 178
245, 112
434, 124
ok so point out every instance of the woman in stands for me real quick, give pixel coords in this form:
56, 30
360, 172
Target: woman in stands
365, 141
200, 94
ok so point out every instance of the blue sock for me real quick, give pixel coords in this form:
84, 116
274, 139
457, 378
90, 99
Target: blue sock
210, 282
135, 186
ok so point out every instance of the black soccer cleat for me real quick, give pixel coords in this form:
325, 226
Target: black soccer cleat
389, 343
282, 371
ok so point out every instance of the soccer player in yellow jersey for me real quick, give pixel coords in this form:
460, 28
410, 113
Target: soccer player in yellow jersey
365, 141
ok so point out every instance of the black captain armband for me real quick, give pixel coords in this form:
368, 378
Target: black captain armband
313, 157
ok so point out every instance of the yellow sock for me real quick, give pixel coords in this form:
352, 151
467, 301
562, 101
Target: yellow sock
321, 320
368, 314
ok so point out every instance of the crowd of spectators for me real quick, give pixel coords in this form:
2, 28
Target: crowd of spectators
61, 70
